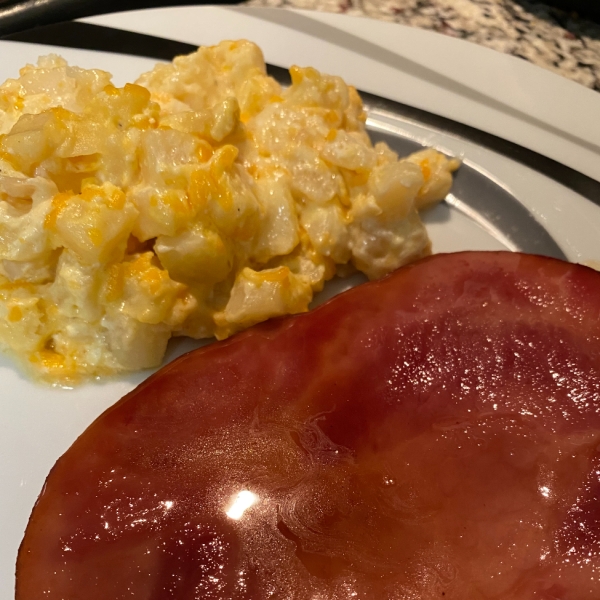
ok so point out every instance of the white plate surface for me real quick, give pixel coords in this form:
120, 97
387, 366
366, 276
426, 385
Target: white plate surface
429, 71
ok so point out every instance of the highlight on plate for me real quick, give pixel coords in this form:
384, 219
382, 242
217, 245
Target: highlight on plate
196, 202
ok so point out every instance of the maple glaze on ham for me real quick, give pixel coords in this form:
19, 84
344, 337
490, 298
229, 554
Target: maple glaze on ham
432, 435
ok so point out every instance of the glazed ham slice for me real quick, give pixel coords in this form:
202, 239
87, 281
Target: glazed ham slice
432, 435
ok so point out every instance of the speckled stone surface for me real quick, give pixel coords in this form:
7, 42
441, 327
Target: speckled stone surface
550, 38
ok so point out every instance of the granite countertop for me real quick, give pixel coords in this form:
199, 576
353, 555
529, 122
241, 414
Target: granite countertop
546, 36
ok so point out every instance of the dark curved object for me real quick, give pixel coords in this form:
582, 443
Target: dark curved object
587, 9
19, 16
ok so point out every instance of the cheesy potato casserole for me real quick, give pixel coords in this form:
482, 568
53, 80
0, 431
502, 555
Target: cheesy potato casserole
196, 202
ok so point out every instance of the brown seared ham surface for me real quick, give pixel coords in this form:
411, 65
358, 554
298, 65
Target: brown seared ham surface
434, 435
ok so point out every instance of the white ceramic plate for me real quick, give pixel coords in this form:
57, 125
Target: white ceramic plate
500, 203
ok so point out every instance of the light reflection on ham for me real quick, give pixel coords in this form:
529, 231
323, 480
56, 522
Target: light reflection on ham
433, 435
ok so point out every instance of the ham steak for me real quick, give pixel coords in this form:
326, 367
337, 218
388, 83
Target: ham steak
432, 435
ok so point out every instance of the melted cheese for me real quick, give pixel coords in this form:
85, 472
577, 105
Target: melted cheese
200, 200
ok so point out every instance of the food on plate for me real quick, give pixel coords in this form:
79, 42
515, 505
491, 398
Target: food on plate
198, 201
433, 434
